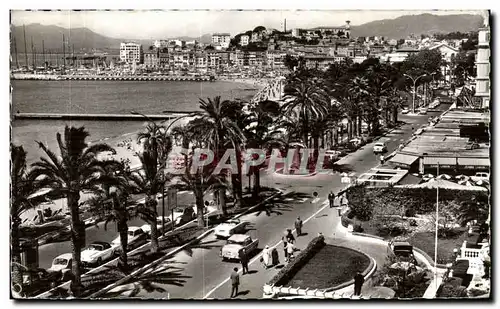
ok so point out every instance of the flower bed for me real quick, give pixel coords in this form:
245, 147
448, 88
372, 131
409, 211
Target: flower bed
287, 272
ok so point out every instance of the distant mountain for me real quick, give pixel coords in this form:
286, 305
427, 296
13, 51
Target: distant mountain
82, 39
403, 26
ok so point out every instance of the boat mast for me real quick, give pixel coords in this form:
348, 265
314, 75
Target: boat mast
15, 49
64, 53
33, 53
43, 52
25, 48
73, 56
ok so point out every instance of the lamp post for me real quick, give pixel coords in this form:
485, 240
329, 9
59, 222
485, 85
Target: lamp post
414, 80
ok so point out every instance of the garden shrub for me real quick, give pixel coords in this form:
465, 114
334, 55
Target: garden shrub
410, 212
287, 272
357, 228
391, 229
345, 221
413, 222
449, 233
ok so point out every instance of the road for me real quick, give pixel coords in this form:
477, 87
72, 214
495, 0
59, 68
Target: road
207, 274
49, 251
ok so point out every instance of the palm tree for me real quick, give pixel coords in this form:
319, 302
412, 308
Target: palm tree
77, 169
156, 141
150, 181
114, 196
218, 129
309, 99
21, 201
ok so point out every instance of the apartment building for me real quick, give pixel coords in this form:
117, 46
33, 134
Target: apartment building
151, 59
483, 65
131, 53
160, 43
275, 59
221, 39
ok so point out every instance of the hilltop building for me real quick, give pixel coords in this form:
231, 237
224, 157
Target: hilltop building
131, 53
221, 39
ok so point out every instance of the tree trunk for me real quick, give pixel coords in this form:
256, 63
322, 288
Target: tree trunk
349, 130
359, 126
256, 181
77, 241
237, 183
199, 208
123, 231
17, 276
151, 203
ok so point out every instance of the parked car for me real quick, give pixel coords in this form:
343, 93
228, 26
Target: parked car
379, 147
481, 176
136, 238
159, 225
472, 146
61, 263
183, 216
405, 110
96, 253
234, 226
422, 111
230, 251
401, 250
474, 230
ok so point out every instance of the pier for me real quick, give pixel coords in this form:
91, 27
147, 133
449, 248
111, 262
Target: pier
110, 117
48, 77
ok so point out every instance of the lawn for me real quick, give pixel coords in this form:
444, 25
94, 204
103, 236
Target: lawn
331, 266
425, 242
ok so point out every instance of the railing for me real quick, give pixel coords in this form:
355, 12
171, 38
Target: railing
271, 291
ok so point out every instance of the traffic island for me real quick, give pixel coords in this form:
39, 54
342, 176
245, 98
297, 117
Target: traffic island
321, 270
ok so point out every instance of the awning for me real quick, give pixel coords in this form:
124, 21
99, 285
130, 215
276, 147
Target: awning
440, 161
403, 159
474, 161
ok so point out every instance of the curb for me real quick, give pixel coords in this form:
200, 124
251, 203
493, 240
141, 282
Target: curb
147, 267
169, 254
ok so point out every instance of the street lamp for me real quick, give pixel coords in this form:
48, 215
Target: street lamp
414, 88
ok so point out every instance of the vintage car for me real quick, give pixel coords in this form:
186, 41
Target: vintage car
235, 243
96, 253
379, 147
402, 250
159, 225
481, 176
61, 263
229, 228
405, 110
136, 238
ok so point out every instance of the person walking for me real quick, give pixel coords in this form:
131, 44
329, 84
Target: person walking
382, 159
266, 257
235, 282
331, 198
358, 283
285, 244
342, 200
244, 260
290, 248
298, 226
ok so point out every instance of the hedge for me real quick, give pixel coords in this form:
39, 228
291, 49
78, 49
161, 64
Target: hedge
287, 272
362, 199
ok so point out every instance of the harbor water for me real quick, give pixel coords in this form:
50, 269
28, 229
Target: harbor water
105, 97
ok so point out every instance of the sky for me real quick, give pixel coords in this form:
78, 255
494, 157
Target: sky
148, 24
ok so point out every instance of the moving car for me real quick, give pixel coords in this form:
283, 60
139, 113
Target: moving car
234, 226
405, 110
61, 263
481, 176
230, 251
96, 253
379, 147
136, 238
159, 225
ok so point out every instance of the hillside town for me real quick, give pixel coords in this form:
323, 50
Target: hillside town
360, 169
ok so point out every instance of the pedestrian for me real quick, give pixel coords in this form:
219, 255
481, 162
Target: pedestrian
290, 248
289, 236
382, 159
244, 260
331, 198
235, 282
358, 283
285, 244
298, 226
266, 257
342, 200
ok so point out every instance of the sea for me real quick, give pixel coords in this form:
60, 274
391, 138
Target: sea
105, 97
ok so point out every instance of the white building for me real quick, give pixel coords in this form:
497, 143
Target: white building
446, 51
160, 43
131, 52
222, 39
244, 40
483, 65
